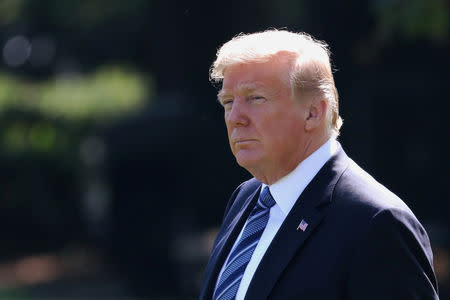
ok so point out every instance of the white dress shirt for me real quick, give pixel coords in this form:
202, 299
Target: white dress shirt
285, 193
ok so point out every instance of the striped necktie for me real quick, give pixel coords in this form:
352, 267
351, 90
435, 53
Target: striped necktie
230, 279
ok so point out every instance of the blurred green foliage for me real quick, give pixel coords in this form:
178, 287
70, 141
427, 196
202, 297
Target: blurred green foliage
107, 93
47, 111
32, 112
71, 12
13, 294
414, 19
23, 132
10, 10
43, 124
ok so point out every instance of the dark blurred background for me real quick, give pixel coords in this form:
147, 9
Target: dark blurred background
114, 162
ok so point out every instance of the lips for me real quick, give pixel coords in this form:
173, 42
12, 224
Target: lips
243, 141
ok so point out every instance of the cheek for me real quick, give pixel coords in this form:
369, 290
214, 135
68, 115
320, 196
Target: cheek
286, 132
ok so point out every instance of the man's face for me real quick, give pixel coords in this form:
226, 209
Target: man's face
265, 124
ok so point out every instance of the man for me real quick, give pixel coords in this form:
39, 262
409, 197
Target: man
311, 224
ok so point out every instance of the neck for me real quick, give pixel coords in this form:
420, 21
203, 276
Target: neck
271, 175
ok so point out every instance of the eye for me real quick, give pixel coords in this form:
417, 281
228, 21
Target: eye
227, 103
256, 98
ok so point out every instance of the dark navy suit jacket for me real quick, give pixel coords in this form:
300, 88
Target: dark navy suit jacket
362, 242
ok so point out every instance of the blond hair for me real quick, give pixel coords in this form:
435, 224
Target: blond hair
310, 72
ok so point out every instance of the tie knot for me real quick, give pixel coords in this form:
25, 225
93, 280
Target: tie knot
266, 198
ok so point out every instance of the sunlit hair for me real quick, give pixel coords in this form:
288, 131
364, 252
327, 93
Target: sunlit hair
309, 75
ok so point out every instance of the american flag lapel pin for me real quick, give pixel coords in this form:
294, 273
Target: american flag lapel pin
302, 226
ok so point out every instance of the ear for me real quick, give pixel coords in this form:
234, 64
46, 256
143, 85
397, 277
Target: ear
316, 114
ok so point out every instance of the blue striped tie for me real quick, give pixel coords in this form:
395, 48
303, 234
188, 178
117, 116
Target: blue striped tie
230, 279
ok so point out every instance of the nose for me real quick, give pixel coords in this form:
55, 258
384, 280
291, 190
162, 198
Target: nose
237, 115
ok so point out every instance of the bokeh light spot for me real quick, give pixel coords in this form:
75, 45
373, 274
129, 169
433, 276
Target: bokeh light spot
16, 51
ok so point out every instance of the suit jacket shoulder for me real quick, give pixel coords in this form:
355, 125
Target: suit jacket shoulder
388, 251
357, 187
241, 193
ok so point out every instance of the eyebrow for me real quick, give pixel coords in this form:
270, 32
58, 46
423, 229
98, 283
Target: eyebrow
221, 95
243, 88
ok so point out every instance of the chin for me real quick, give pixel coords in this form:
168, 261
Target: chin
247, 160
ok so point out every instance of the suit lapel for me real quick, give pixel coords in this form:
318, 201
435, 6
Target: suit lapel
226, 237
311, 207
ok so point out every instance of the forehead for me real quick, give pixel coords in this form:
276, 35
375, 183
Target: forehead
242, 87
254, 76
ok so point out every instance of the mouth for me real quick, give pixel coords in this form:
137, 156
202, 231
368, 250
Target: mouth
243, 141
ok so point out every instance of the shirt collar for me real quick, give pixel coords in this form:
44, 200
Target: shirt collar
287, 189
